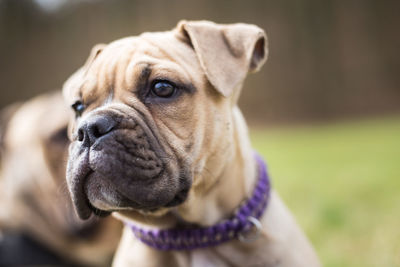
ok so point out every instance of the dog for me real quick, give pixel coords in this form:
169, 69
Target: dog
38, 224
159, 141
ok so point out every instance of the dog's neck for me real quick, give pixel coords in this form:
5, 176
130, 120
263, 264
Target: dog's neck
235, 181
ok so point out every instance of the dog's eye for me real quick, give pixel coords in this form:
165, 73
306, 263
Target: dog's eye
163, 89
78, 107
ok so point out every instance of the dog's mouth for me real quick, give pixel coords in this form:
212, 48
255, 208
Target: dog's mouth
125, 169
100, 195
179, 198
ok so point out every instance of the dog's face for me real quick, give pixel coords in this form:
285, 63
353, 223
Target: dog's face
153, 112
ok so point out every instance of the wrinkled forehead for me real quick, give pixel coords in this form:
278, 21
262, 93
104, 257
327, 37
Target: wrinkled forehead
125, 63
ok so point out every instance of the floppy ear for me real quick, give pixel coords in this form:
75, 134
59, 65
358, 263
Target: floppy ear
73, 82
227, 52
96, 50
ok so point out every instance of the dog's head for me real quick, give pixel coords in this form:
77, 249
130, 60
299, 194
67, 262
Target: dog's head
151, 111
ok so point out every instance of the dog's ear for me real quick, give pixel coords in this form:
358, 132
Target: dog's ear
96, 50
226, 52
72, 83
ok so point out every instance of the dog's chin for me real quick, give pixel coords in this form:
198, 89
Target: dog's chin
103, 198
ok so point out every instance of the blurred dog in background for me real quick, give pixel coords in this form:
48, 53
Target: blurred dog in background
38, 225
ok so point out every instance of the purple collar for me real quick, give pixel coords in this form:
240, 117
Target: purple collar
242, 221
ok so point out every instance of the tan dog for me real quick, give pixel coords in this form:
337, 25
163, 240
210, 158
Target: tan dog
158, 139
34, 200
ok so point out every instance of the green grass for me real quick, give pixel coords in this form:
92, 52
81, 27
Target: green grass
342, 182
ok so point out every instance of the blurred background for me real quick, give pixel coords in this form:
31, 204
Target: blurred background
324, 110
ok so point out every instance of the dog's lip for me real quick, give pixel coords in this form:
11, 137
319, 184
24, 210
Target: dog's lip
76, 176
95, 210
85, 208
130, 204
82, 204
98, 212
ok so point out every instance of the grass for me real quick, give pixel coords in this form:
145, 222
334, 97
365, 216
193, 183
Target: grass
342, 182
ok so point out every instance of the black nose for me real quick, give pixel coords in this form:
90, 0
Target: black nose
95, 127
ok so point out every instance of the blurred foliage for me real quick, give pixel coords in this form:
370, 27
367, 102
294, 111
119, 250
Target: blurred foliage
328, 59
342, 183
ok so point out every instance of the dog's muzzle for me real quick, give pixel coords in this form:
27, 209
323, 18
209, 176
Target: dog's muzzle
117, 163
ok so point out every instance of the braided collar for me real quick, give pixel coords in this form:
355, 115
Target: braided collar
242, 221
